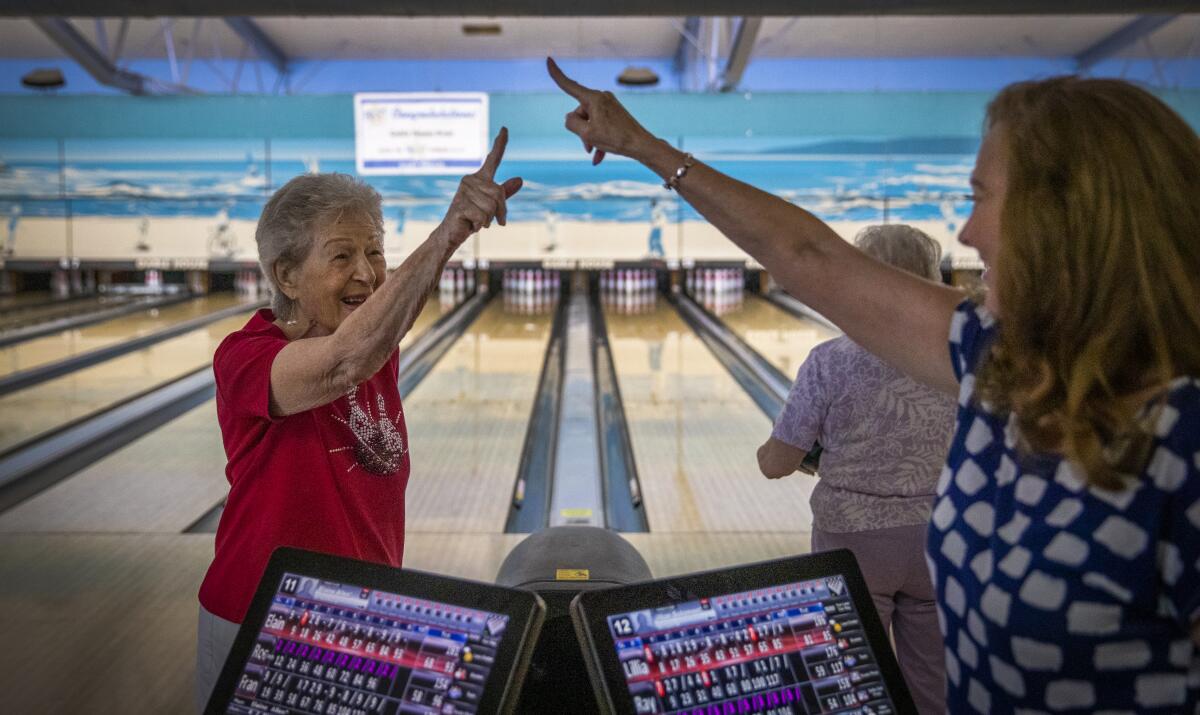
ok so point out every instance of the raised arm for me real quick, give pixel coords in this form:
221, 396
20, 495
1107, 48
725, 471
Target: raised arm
903, 319
315, 371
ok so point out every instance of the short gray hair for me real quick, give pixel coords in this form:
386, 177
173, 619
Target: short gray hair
903, 246
296, 211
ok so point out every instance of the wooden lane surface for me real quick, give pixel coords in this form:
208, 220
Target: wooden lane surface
695, 434
68, 343
99, 624
25, 299
430, 312
161, 482
467, 421
780, 337
59, 309
32, 411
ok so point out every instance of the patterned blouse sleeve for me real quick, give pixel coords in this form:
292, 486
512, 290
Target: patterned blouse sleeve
971, 329
808, 402
1175, 467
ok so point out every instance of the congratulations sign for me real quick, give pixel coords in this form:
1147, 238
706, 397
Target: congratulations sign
420, 133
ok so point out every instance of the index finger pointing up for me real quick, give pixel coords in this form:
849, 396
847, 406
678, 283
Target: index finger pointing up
568, 85
492, 162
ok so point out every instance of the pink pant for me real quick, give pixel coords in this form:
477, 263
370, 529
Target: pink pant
893, 564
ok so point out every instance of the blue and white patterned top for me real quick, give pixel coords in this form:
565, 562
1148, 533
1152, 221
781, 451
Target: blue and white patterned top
1058, 597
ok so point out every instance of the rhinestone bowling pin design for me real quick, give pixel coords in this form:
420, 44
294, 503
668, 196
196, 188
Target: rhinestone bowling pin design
378, 448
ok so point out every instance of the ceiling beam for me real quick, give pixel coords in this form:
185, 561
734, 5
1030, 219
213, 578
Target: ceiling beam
253, 35
739, 54
1143, 26
76, 46
687, 42
659, 8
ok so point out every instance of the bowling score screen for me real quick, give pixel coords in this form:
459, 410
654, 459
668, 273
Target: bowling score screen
329, 647
796, 648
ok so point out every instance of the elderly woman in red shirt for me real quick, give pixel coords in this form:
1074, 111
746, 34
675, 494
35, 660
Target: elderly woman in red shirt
307, 394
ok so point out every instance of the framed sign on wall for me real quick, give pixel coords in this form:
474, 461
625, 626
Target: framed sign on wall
397, 133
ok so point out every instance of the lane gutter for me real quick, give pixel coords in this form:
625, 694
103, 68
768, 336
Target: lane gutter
762, 381
529, 508
18, 335
624, 509
33, 376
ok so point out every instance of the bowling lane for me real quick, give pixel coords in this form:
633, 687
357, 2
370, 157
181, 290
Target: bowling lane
29, 412
162, 482
68, 343
695, 433
33, 314
467, 421
782, 338
25, 300
430, 313
159, 483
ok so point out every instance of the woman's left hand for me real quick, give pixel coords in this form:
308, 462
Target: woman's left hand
778, 459
479, 198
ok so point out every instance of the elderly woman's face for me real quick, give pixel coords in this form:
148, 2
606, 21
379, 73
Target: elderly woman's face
343, 268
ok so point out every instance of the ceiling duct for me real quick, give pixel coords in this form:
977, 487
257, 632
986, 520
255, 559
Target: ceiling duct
76, 46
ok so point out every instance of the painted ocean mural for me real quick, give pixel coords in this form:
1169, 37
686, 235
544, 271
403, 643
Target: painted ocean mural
212, 190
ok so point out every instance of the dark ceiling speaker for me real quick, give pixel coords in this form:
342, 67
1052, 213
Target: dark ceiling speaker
44, 78
481, 28
637, 77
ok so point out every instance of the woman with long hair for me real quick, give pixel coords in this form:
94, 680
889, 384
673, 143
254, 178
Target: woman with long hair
1064, 544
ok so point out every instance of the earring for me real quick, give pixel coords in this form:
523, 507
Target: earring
293, 321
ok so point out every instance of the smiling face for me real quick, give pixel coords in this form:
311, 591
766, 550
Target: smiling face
344, 267
989, 184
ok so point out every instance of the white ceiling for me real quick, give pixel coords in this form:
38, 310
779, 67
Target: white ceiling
622, 37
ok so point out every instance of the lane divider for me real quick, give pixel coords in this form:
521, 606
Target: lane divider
33, 376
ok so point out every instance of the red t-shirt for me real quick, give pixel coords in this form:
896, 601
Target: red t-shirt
331, 479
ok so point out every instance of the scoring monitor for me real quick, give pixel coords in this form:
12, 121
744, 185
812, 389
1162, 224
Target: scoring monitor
797, 635
327, 635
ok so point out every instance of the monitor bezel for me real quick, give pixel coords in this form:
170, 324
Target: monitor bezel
590, 611
525, 610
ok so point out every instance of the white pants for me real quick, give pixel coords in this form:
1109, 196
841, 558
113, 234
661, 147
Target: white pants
214, 639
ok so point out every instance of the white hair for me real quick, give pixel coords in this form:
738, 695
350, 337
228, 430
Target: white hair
902, 246
296, 211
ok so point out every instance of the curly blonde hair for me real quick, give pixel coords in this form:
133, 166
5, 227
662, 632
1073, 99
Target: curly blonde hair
1098, 267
